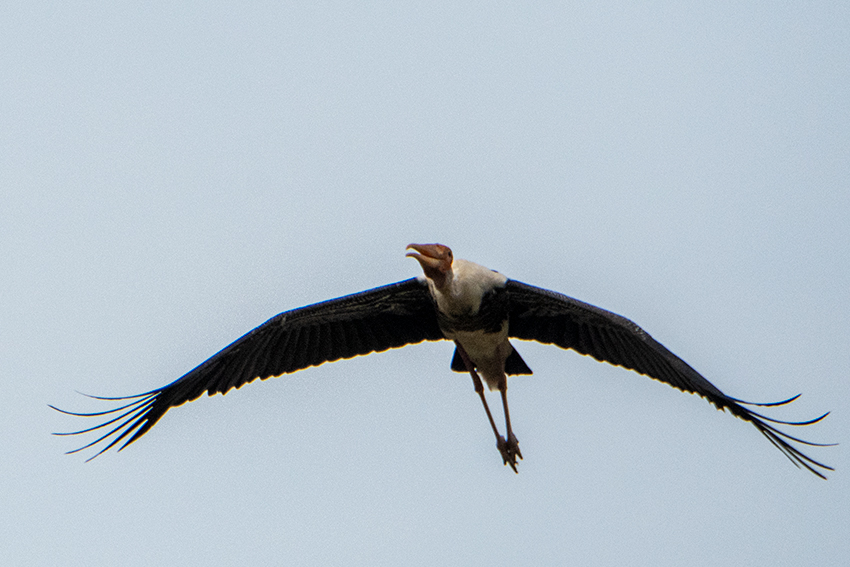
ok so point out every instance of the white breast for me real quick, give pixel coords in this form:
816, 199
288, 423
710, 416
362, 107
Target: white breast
469, 283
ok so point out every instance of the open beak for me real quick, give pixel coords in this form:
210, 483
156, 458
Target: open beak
435, 259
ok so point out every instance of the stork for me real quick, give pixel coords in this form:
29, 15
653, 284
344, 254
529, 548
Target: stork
478, 309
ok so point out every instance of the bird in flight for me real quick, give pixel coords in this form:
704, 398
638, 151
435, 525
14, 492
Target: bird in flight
477, 308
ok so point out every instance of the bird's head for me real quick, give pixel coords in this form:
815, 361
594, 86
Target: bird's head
435, 259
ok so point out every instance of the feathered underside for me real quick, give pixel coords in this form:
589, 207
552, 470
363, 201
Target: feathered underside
375, 320
548, 317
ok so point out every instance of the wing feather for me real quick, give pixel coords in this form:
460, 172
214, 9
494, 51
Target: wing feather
548, 317
371, 321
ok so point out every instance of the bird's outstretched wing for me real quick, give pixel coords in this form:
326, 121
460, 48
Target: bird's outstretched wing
371, 321
547, 317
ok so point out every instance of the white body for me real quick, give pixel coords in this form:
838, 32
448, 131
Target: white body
467, 284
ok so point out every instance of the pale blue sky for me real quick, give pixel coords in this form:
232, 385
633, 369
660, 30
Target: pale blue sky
175, 175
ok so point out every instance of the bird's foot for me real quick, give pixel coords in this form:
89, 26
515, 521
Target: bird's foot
509, 450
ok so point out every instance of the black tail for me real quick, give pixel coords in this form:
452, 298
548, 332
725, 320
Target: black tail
514, 365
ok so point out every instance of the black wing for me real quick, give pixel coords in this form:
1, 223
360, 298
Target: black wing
371, 321
544, 316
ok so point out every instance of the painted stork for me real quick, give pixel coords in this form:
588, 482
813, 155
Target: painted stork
477, 308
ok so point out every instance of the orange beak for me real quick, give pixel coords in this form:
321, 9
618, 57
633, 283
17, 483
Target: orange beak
435, 259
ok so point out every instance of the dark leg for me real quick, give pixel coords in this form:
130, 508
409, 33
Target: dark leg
509, 449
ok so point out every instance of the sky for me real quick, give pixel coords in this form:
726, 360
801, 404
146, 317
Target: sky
174, 174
